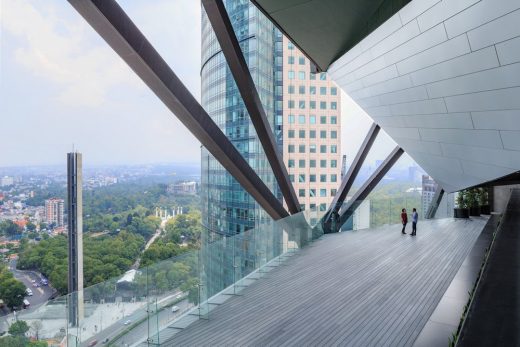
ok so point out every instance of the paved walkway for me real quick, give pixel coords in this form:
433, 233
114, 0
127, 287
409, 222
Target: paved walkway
494, 318
364, 288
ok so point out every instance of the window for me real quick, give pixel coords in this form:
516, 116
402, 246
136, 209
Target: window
323, 178
312, 148
301, 119
312, 192
301, 148
291, 89
323, 76
302, 207
323, 148
323, 120
301, 104
333, 178
301, 178
290, 45
290, 163
301, 163
333, 134
333, 192
312, 178
323, 163
323, 134
291, 74
333, 149
323, 193
291, 119
323, 105
291, 134
291, 104
291, 178
312, 119
301, 89
290, 148
301, 193
334, 163
301, 134
301, 75
312, 134
291, 59
333, 91
312, 76
323, 207
323, 90
312, 105
333, 105
333, 120
312, 163
312, 207
312, 90
301, 60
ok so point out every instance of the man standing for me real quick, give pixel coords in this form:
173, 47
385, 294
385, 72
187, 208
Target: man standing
415, 217
404, 219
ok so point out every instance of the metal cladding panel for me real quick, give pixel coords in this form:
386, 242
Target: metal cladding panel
445, 85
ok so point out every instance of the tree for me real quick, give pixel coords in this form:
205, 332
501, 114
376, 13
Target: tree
30, 226
18, 328
9, 228
36, 327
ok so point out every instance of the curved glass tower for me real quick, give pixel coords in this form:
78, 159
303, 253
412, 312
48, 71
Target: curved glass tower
227, 208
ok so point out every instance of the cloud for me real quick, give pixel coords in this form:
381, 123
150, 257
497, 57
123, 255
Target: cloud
64, 50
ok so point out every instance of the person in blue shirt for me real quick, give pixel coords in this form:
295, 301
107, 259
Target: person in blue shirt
415, 218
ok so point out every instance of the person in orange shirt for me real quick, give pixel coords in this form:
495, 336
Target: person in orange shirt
404, 219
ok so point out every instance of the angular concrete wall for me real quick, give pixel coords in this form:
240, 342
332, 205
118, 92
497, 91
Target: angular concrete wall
442, 78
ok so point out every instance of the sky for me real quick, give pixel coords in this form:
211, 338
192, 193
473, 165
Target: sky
62, 87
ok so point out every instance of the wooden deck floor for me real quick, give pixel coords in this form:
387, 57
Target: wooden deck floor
372, 287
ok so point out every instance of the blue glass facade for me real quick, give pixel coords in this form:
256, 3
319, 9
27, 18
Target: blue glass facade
227, 208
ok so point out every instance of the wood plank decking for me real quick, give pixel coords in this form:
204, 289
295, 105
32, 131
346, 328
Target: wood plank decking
371, 287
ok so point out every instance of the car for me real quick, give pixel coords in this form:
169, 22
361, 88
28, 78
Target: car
105, 340
127, 322
29, 292
92, 343
175, 308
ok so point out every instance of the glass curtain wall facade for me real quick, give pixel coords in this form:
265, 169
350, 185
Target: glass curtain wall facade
227, 208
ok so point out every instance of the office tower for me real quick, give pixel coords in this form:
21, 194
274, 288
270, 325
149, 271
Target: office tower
54, 212
311, 130
6, 181
227, 209
75, 236
428, 191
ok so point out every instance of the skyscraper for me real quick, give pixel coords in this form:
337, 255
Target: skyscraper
75, 236
311, 130
227, 208
428, 191
54, 211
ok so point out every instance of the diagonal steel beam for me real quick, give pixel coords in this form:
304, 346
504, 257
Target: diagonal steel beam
368, 186
118, 30
352, 173
228, 41
434, 205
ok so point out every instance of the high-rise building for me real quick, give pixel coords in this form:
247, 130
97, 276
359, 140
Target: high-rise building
428, 191
227, 208
75, 236
311, 130
54, 212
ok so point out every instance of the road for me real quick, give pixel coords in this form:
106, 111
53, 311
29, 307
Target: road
141, 330
40, 294
148, 244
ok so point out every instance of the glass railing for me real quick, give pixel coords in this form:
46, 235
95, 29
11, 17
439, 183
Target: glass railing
150, 304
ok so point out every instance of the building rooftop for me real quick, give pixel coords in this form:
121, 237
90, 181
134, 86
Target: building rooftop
369, 287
